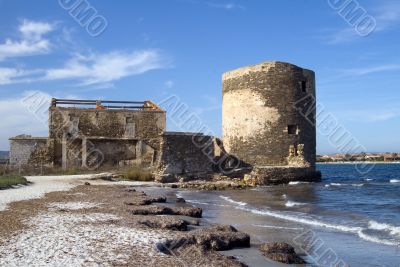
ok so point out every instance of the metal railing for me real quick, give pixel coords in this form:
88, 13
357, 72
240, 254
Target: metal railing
106, 104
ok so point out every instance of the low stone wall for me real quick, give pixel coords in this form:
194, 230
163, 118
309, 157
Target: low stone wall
281, 175
27, 150
185, 156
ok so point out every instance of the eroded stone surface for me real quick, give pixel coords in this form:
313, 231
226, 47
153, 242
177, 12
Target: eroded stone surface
281, 252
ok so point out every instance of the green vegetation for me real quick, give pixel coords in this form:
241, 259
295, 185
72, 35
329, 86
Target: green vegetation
137, 174
9, 180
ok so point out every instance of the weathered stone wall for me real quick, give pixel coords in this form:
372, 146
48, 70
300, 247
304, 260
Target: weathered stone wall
261, 124
33, 151
186, 155
115, 133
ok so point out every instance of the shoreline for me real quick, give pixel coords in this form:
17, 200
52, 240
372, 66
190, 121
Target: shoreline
358, 162
97, 215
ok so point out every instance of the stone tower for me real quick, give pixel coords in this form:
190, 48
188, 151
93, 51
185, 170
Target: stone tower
263, 119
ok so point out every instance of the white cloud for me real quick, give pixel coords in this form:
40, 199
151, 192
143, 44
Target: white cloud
104, 68
18, 118
98, 70
226, 6
169, 84
370, 70
387, 16
13, 75
343, 36
31, 42
372, 115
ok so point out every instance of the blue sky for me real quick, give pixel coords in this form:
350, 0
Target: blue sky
154, 49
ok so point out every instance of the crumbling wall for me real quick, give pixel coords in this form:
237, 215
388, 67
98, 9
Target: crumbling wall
110, 134
261, 121
32, 151
186, 156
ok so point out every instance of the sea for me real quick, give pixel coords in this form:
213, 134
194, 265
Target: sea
349, 219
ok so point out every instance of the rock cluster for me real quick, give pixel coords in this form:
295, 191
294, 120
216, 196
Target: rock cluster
166, 222
163, 210
281, 252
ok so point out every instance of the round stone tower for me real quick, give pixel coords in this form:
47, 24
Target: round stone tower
268, 114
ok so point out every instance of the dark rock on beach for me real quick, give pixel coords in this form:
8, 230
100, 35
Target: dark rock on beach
180, 200
221, 238
146, 201
216, 238
162, 210
281, 252
165, 222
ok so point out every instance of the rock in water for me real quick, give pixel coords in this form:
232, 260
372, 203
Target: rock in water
180, 200
281, 252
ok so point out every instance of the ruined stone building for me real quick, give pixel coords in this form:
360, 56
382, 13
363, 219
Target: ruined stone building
268, 132
85, 133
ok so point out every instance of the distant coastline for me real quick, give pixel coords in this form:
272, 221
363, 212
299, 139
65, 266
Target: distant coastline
360, 162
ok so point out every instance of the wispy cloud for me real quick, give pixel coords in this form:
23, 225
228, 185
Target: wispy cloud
372, 115
226, 6
387, 16
32, 40
169, 84
103, 68
95, 69
17, 119
346, 35
14, 75
370, 70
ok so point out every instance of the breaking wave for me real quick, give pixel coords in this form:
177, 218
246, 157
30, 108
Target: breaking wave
233, 201
359, 231
294, 204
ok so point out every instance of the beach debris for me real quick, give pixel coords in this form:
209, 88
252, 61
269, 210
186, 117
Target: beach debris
162, 210
130, 190
281, 252
165, 222
140, 201
215, 238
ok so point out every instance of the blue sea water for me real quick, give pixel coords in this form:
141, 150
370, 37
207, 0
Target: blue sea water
349, 219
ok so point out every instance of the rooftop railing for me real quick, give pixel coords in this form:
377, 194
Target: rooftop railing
105, 104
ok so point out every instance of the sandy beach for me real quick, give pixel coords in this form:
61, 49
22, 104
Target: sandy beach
78, 221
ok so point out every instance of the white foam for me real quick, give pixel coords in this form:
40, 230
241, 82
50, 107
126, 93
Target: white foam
277, 227
197, 202
395, 181
297, 183
368, 179
284, 196
342, 228
233, 201
391, 229
293, 218
294, 204
374, 239
357, 185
